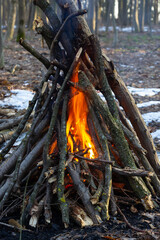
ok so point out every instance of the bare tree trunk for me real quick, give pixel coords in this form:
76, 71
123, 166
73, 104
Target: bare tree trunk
11, 20
122, 12
1, 41
155, 11
130, 19
150, 2
136, 20
96, 16
108, 11
115, 38
21, 23
120, 7
91, 15
31, 16
141, 15
125, 17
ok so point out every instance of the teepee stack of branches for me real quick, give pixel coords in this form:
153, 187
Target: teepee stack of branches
43, 171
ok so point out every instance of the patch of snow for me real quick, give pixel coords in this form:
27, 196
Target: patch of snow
152, 116
156, 134
124, 66
19, 99
102, 29
144, 91
126, 29
147, 104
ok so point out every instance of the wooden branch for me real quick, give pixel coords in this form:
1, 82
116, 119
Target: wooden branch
47, 33
45, 30
14, 175
56, 38
132, 139
35, 213
59, 65
25, 165
79, 215
47, 204
35, 53
62, 161
127, 102
15, 226
7, 112
10, 123
79, 26
21, 126
93, 160
82, 192
26, 116
131, 172
117, 135
96, 56
146, 164
33, 196
55, 23
46, 157
95, 198
108, 169
93, 78
113, 205
7, 134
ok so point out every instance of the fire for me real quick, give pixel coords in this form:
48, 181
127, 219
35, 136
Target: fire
77, 129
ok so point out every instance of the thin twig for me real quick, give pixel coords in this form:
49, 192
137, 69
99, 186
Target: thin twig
34, 52
93, 160
14, 227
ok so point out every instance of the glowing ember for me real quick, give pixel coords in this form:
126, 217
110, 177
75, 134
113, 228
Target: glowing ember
77, 127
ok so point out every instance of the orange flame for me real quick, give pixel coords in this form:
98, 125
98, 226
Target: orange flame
77, 127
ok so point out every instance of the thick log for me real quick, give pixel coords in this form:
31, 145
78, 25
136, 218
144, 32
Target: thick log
128, 103
56, 24
45, 30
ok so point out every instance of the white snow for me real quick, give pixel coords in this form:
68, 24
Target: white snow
126, 29
19, 99
156, 134
152, 116
147, 104
144, 91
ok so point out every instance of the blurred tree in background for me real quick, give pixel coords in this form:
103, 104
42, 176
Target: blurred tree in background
1, 41
107, 13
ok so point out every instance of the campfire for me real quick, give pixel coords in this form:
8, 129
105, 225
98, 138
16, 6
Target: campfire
80, 150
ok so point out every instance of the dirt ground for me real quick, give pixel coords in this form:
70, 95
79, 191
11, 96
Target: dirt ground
137, 59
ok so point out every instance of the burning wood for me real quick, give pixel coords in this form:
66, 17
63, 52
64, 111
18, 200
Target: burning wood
78, 145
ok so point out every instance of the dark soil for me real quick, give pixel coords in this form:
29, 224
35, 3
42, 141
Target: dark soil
137, 59
115, 228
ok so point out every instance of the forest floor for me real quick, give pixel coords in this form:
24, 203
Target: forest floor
137, 59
